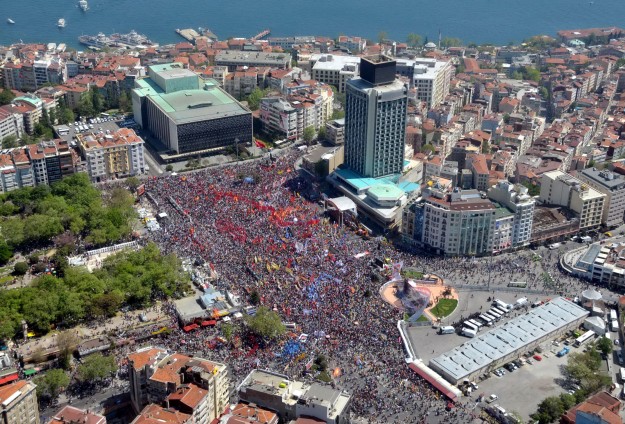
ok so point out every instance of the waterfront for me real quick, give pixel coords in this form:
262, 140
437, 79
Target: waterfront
477, 21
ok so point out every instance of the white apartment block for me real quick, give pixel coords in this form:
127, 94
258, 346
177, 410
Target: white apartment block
430, 78
11, 123
613, 186
333, 69
521, 204
558, 188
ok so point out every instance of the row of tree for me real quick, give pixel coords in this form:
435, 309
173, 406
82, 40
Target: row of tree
128, 278
72, 207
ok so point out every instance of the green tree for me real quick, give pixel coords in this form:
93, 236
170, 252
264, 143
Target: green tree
338, 114
549, 410
322, 134
9, 141
265, 323
427, 149
66, 116
97, 367
20, 268
254, 297
451, 42
309, 134
97, 99
227, 330
125, 104
51, 383
413, 40
382, 37
169, 168
604, 345
5, 252
85, 105
568, 401
133, 183
544, 93
253, 100
6, 97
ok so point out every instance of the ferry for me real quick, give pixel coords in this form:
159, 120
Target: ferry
61, 23
10, 21
130, 40
84, 6
99, 41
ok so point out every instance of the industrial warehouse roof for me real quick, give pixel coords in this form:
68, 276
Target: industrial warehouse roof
186, 106
507, 338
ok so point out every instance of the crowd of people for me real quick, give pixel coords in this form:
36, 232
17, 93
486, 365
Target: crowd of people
251, 224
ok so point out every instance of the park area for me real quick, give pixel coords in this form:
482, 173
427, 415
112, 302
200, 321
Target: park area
444, 308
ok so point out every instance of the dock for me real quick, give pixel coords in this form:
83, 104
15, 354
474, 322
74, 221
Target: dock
261, 35
188, 34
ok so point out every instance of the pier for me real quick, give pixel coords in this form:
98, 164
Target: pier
188, 34
261, 34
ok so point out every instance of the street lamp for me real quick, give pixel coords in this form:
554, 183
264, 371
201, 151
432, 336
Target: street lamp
236, 144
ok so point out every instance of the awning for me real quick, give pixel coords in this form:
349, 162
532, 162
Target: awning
210, 322
9, 378
438, 386
30, 371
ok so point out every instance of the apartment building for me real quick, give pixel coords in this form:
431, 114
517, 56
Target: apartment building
334, 69
192, 386
290, 116
242, 82
517, 200
18, 403
30, 75
51, 161
613, 186
11, 122
71, 415
430, 78
558, 188
112, 155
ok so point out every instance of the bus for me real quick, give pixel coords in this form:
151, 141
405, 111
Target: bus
468, 325
491, 316
467, 332
502, 312
487, 320
520, 284
496, 314
476, 323
612, 315
584, 338
622, 374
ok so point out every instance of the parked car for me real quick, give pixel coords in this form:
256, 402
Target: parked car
538, 357
492, 398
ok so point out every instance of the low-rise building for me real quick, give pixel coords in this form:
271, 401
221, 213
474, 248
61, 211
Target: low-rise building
235, 58
293, 399
335, 131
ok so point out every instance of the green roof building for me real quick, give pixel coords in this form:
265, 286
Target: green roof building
187, 114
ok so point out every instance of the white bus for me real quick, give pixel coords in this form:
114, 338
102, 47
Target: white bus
499, 310
614, 325
491, 316
487, 320
476, 323
496, 314
501, 304
612, 315
622, 374
473, 327
584, 338
468, 332
521, 284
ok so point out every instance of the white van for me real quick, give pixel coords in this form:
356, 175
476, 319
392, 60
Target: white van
614, 325
467, 332
447, 329
500, 303
521, 302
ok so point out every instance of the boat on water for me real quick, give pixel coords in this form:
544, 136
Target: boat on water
84, 6
130, 40
97, 41
61, 23
10, 21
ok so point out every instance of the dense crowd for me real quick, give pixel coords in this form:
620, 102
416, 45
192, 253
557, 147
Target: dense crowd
252, 225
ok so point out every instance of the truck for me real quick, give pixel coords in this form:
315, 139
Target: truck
520, 302
467, 332
614, 325
446, 329
501, 304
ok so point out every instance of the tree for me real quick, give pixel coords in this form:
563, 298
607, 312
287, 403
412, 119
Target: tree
6, 252
66, 116
253, 100
254, 297
6, 97
322, 134
338, 114
544, 93
451, 42
413, 40
20, 268
66, 342
51, 383
169, 168
309, 134
382, 37
321, 362
568, 401
133, 183
9, 141
125, 105
427, 149
227, 330
97, 367
604, 345
97, 99
85, 105
265, 323
549, 410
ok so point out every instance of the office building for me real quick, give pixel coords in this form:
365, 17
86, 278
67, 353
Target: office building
187, 115
235, 58
375, 119
334, 69
517, 200
112, 155
509, 341
613, 186
193, 386
18, 403
293, 399
430, 78
558, 188
460, 223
